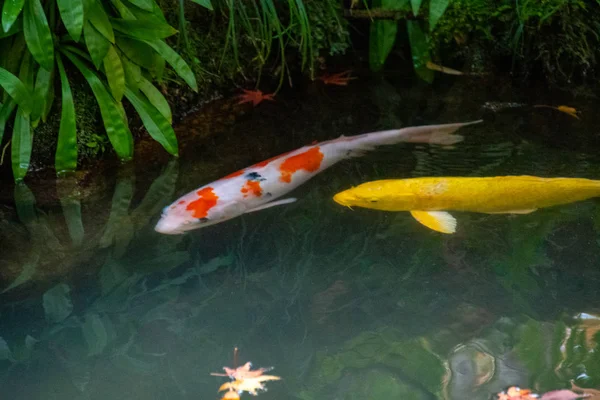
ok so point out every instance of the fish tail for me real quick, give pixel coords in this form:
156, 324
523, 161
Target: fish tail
432, 134
435, 134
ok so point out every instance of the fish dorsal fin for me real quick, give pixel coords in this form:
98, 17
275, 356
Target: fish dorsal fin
439, 221
273, 204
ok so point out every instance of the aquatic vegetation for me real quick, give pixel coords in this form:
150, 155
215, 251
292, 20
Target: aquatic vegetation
118, 58
383, 34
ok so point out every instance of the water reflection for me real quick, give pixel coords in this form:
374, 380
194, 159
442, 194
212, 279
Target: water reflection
345, 305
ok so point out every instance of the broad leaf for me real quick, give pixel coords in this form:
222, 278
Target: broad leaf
21, 145
204, 3
175, 60
436, 10
71, 12
15, 28
147, 5
124, 12
94, 333
114, 73
5, 112
29, 268
57, 303
43, 84
96, 43
143, 29
10, 12
381, 41
156, 98
416, 5
66, 149
133, 72
420, 50
118, 133
37, 34
138, 52
17, 90
98, 17
157, 125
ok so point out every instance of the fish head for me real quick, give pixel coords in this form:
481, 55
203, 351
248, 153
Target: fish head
195, 211
375, 195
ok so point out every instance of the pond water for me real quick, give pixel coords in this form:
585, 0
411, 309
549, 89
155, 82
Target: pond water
344, 304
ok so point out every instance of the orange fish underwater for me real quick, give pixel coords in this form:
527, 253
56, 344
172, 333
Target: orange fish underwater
257, 187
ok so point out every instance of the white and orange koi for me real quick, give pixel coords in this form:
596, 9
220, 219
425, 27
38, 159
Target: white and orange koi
258, 186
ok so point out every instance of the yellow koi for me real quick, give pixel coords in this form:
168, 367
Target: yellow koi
429, 199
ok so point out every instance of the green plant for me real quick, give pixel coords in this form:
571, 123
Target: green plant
118, 46
265, 27
384, 32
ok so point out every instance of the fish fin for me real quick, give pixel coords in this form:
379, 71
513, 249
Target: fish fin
273, 204
440, 221
514, 211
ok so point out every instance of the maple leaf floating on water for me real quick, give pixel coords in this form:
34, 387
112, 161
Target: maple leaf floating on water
250, 385
254, 96
244, 379
242, 372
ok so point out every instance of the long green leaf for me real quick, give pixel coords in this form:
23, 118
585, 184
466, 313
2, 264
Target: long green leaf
98, 17
124, 12
116, 129
133, 72
437, 8
156, 98
381, 41
21, 145
204, 3
416, 5
10, 11
17, 90
5, 112
154, 16
71, 12
43, 85
48, 100
96, 43
66, 149
139, 52
157, 125
420, 50
146, 5
114, 73
175, 61
143, 29
15, 28
37, 34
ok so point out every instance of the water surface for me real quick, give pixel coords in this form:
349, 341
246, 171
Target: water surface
344, 304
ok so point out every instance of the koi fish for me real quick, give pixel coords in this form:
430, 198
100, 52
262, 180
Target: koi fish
428, 199
258, 186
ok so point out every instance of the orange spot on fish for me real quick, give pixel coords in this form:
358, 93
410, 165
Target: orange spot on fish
207, 200
181, 202
237, 173
252, 187
314, 142
309, 161
266, 162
